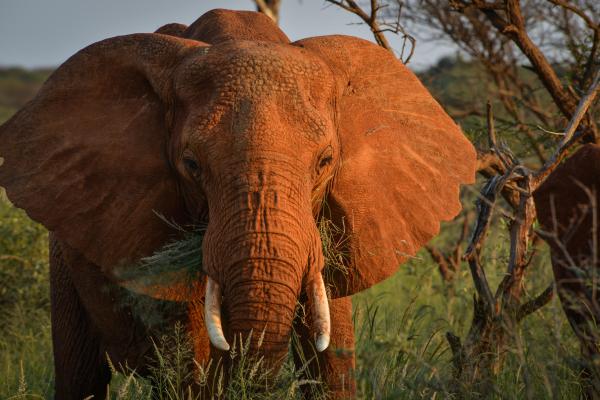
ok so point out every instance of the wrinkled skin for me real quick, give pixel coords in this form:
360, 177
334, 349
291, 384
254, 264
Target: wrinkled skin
227, 123
566, 205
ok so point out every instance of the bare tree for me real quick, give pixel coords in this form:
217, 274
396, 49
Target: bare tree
496, 315
380, 23
270, 8
556, 41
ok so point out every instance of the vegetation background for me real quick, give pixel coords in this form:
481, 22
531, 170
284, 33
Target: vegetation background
401, 323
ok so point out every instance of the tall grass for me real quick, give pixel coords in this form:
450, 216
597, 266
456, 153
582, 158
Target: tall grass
400, 325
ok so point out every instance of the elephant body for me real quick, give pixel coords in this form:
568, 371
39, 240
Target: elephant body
88, 325
566, 205
228, 124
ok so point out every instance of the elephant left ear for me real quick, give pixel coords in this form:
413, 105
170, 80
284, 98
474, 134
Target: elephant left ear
403, 160
87, 157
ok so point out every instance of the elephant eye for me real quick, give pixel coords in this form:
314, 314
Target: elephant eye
325, 159
191, 165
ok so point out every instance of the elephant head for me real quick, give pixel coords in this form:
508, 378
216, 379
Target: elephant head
228, 123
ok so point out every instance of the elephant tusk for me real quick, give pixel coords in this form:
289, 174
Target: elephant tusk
212, 315
320, 312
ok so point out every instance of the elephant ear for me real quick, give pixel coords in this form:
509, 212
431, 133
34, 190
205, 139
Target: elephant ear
564, 204
403, 160
87, 156
217, 26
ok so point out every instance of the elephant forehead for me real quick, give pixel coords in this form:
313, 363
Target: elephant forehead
259, 68
244, 86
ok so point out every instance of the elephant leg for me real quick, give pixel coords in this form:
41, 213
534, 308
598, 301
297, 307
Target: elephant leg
335, 365
583, 313
80, 367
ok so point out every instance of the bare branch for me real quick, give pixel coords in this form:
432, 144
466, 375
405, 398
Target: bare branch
570, 135
474, 26
442, 261
270, 8
489, 164
378, 28
512, 25
520, 233
485, 207
571, 7
493, 141
533, 305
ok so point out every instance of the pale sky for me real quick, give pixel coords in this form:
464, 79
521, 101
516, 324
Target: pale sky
42, 33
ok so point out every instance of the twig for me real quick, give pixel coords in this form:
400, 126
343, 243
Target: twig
493, 143
588, 21
269, 7
378, 29
570, 136
369, 19
444, 264
533, 305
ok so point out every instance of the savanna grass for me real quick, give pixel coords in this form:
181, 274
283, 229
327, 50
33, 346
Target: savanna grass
400, 324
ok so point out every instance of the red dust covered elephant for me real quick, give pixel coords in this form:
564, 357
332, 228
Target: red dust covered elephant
567, 205
229, 124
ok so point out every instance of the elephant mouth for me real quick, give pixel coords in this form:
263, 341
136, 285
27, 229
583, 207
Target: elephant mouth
317, 299
174, 273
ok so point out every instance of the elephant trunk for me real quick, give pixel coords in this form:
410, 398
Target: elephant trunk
262, 312
319, 309
262, 262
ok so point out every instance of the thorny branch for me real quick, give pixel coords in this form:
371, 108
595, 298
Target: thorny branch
379, 27
496, 315
527, 181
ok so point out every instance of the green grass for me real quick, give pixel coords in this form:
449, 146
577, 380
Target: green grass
17, 86
400, 325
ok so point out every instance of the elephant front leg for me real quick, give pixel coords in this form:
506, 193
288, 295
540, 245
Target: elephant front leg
80, 365
334, 366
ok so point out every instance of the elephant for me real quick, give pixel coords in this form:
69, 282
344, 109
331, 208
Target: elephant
229, 124
566, 205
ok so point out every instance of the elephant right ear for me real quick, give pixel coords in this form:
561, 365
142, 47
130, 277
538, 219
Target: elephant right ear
88, 156
402, 162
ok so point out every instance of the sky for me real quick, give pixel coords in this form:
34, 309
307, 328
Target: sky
44, 33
